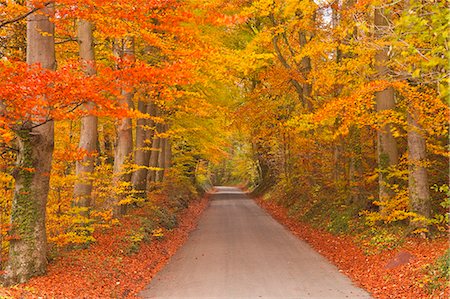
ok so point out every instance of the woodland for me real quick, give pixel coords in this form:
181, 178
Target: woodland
117, 116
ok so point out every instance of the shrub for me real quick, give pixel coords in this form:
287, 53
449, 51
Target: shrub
438, 274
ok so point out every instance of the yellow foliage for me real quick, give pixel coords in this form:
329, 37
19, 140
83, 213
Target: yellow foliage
158, 233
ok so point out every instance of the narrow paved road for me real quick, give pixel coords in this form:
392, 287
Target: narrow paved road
239, 251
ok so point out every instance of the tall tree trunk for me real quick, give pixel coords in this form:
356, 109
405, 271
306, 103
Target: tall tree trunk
305, 66
124, 146
418, 188
419, 194
122, 156
338, 153
265, 171
106, 144
167, 154
355, 171
144, 136
154, 155
162, 156
387, 145
88, 132
285, 156
28, 252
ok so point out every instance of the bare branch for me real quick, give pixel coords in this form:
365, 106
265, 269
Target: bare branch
67, 40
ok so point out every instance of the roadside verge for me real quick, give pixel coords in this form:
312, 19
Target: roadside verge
399, 273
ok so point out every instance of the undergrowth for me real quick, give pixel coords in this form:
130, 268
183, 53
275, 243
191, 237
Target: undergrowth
341, 218
437, 275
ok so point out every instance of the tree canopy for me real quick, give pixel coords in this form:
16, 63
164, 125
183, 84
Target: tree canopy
324, 105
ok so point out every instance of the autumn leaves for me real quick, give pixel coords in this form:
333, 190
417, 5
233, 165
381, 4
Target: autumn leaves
117, 92
336, 103
339, 98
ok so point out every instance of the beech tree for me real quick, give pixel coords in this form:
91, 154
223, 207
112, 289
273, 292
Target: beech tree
325, 105
36, 96
124, 52
145, 129
367, 138
385, 102
419, 191
28, 250
88, 132
154, 155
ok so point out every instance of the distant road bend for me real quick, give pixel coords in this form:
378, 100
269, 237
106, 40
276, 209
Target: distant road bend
239, 251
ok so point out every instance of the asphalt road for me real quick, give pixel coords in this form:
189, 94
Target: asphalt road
239, 251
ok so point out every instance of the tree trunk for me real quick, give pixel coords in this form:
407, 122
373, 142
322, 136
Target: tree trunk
355, 171
122, 156
167, 154
124, 146
144, 135
88, 132
154, 156
265, 171
387, 145
305, 66
28, 252
161, 157
419, 194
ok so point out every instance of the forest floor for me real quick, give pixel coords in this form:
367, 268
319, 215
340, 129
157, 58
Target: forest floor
118, 265
398, 273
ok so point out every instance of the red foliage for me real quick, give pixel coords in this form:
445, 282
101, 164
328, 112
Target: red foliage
105, 270
369, 271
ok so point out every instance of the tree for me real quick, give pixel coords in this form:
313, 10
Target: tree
28, 250
419, 191
88, 131
144, 136
124, 52
385, 101
423, 60
154, 155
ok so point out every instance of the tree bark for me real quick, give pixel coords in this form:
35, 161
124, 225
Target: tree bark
167, 154
161, 157
144, 136
305, 66
28, 252
355, 170
154, 156
88, 132
387, 145
124, 145
122, 156
419, 194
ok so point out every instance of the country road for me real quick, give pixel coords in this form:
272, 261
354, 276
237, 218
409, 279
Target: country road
239, 251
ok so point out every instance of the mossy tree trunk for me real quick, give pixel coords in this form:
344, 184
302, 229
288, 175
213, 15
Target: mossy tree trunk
28, 248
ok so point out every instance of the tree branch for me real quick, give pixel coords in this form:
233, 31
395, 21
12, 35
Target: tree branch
21, 17
283, 61
67, 40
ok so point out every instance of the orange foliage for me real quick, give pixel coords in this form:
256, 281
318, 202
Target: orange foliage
106, 269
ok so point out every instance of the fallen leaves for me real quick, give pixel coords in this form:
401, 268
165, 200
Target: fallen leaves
400, 280
105, 270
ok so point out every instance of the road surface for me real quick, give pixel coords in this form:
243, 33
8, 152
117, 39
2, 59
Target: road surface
239, 251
